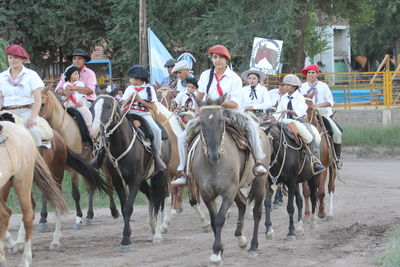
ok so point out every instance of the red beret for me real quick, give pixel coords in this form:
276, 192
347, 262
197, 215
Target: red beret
220, 50
17, 50
310, 67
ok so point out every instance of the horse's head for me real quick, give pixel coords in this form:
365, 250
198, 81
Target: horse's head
105, 113
212, 124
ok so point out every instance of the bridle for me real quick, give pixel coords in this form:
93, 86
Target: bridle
203, 139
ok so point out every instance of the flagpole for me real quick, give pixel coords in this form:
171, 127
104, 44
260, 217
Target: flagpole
142, 33
149, 51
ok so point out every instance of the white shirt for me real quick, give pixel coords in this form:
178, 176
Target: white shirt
275, 96
81, 98
322, 95
181, 86
298, 103
142, 93
231, 84
260, 101
183, 96
20, 93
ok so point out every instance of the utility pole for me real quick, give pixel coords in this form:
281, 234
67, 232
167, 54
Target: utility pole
142, 33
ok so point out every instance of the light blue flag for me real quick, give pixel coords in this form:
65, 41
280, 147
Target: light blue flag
158, 55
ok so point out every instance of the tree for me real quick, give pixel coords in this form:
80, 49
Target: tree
3, 58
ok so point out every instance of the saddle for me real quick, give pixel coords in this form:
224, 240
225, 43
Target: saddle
144, 129
77, 116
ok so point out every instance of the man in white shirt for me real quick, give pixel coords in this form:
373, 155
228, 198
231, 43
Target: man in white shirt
182, 71
322, 99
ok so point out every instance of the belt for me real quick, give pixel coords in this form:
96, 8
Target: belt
17, 107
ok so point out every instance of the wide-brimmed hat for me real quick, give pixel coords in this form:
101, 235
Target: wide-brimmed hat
138, 72
170, 63
17, 50
181, 65
79, 52
310, 67
261, 75
68, 72
220, 50
292, 79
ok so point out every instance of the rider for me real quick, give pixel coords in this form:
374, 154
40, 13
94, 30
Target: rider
214, 83
276, 94
20, 91
256, 96
182, 71
322, 98
293, 106
141, 105
170, 79
185, 99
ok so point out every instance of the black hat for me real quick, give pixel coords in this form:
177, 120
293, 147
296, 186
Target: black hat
68, 72
192, 80
79, 52
170, 63
138, 72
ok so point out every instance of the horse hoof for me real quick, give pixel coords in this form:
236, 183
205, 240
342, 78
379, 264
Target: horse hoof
179, 210
291, 237
322, 215
164, 230
215, 260
306, 220
173, 212
42, 227
270, 235
329, 218
275, 206
252, 254
299, 229
206, 228
13, 250
157, 240
115, 214
87, 221
77, 226
242, 241
125, 248
55, 246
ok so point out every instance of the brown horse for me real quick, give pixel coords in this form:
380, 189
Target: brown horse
173, 127
327, 159
220, 168
21, 165
53, 111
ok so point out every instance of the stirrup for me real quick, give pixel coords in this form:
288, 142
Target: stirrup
181, 180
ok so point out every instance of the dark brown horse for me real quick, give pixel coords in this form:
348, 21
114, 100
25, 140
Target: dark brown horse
129, 164
269, 54
220, 168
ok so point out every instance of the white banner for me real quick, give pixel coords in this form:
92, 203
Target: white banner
266, 55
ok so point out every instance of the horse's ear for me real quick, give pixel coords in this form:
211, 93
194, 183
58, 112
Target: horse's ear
221, 99
198, 101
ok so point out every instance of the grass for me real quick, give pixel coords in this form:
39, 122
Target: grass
100, 200
391, 256
371, 135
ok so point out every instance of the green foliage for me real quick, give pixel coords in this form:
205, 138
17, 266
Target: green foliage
3, 57
391, 256
371, 135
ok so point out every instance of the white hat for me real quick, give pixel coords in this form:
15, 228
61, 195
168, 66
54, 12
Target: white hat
292, 79
260, 74
181, 65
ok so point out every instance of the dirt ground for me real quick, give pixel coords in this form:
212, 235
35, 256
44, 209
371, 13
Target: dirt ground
366, 207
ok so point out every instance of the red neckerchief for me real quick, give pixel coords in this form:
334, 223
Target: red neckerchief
189, 101
138, 89
219, 89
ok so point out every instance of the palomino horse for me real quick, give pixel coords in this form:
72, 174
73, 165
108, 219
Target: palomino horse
220, 168
327, 159
129, 163
58, 157
173, 127
20, 166
291, 165
53, 111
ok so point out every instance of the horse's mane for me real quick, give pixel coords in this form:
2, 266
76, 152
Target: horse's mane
172, 120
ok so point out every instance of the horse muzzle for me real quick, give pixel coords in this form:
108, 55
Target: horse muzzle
214, 156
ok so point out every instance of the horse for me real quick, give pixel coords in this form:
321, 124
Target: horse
270, 55
129, 163
59, 119
328, 161
58, 157
173, 127
220, 168
290, 165
21, 165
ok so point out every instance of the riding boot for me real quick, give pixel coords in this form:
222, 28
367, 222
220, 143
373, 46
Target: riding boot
181, 180
98, 159
159, 164
338, 150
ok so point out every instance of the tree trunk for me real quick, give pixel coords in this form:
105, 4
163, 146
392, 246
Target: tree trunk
296, 56
142, 33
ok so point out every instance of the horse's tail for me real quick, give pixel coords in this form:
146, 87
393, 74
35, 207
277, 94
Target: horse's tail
50, 189
158, 192
91, 176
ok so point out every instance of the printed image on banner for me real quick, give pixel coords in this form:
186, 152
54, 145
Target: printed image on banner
266, 55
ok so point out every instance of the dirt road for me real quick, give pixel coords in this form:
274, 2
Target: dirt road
366, 206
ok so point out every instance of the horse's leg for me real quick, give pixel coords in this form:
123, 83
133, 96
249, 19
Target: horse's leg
269, 232
76, 196
5, 214
179, 199
278, 198
331, 191
9, 243
56, 244
43, 216
290, 208
312, 184
206, 225
306, 195
90, 213
299, 204
240, 201
113, 207
321, 194
212, 210
195, 204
